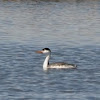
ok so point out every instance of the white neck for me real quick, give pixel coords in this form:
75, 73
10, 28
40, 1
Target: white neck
46, 61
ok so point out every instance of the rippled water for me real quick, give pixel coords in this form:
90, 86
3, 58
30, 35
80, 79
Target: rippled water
70, 29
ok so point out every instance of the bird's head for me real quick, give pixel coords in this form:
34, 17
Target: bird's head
44, 51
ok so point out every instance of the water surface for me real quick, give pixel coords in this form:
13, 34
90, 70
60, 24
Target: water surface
70, 30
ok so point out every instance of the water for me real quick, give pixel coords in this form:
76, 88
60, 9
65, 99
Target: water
70, 29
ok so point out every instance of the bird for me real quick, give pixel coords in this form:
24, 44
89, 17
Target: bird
57, 65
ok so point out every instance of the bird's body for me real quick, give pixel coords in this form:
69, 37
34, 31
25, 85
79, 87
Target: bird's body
58, 65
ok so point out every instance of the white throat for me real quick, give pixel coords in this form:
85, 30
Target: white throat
46, 62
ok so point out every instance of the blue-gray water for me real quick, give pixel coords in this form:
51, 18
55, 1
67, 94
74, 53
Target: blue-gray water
70, 29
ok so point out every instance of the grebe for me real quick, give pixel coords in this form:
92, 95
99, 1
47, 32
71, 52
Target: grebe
58, 65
